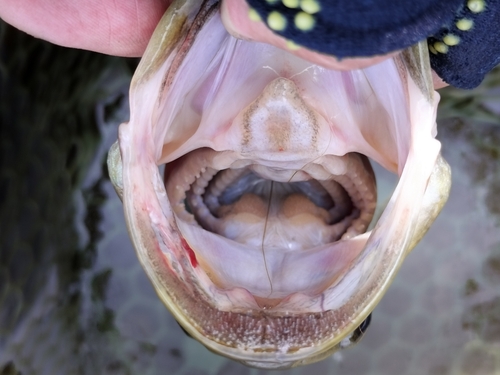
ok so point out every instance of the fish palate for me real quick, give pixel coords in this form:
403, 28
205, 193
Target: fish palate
255, 235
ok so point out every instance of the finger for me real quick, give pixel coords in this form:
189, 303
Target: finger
121, 28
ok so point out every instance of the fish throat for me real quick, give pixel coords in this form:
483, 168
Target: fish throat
269, 214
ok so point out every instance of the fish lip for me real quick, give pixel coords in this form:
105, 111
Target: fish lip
152, 229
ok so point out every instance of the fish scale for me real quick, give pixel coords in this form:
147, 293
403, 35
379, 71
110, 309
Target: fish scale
440, 316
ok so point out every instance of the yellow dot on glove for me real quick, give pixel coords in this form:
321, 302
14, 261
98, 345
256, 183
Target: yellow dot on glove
476, 6
304, 21
310, 6
291, 3
441, 47
464, 24
276, 21
451, 40
291, 45
253, 15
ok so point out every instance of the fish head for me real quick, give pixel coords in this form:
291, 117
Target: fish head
255, 235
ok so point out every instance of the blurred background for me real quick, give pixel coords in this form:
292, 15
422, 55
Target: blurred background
74, 299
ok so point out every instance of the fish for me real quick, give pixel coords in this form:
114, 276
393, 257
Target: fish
246, 180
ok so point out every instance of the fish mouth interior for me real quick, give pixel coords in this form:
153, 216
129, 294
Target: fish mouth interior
271, 231
270, 185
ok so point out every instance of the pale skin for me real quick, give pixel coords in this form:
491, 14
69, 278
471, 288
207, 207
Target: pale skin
123, 27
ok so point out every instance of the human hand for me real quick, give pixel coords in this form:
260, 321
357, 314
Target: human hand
124, 28
235, 16
121, 28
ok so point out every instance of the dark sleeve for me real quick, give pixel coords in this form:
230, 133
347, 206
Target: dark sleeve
463, 53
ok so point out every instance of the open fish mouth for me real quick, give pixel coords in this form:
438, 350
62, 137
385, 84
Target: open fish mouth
256, 235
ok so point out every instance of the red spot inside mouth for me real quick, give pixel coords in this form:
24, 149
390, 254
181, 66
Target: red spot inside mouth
190, 253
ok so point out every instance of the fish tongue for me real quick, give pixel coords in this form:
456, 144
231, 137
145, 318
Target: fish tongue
278, 220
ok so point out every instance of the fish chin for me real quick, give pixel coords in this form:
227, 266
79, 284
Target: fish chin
255, 236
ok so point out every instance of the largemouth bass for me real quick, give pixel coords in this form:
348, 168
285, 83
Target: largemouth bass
256, 236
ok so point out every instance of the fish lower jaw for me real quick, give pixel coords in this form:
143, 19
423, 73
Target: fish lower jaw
267, 237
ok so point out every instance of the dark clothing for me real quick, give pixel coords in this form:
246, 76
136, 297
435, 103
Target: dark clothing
464, 65
461, 54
